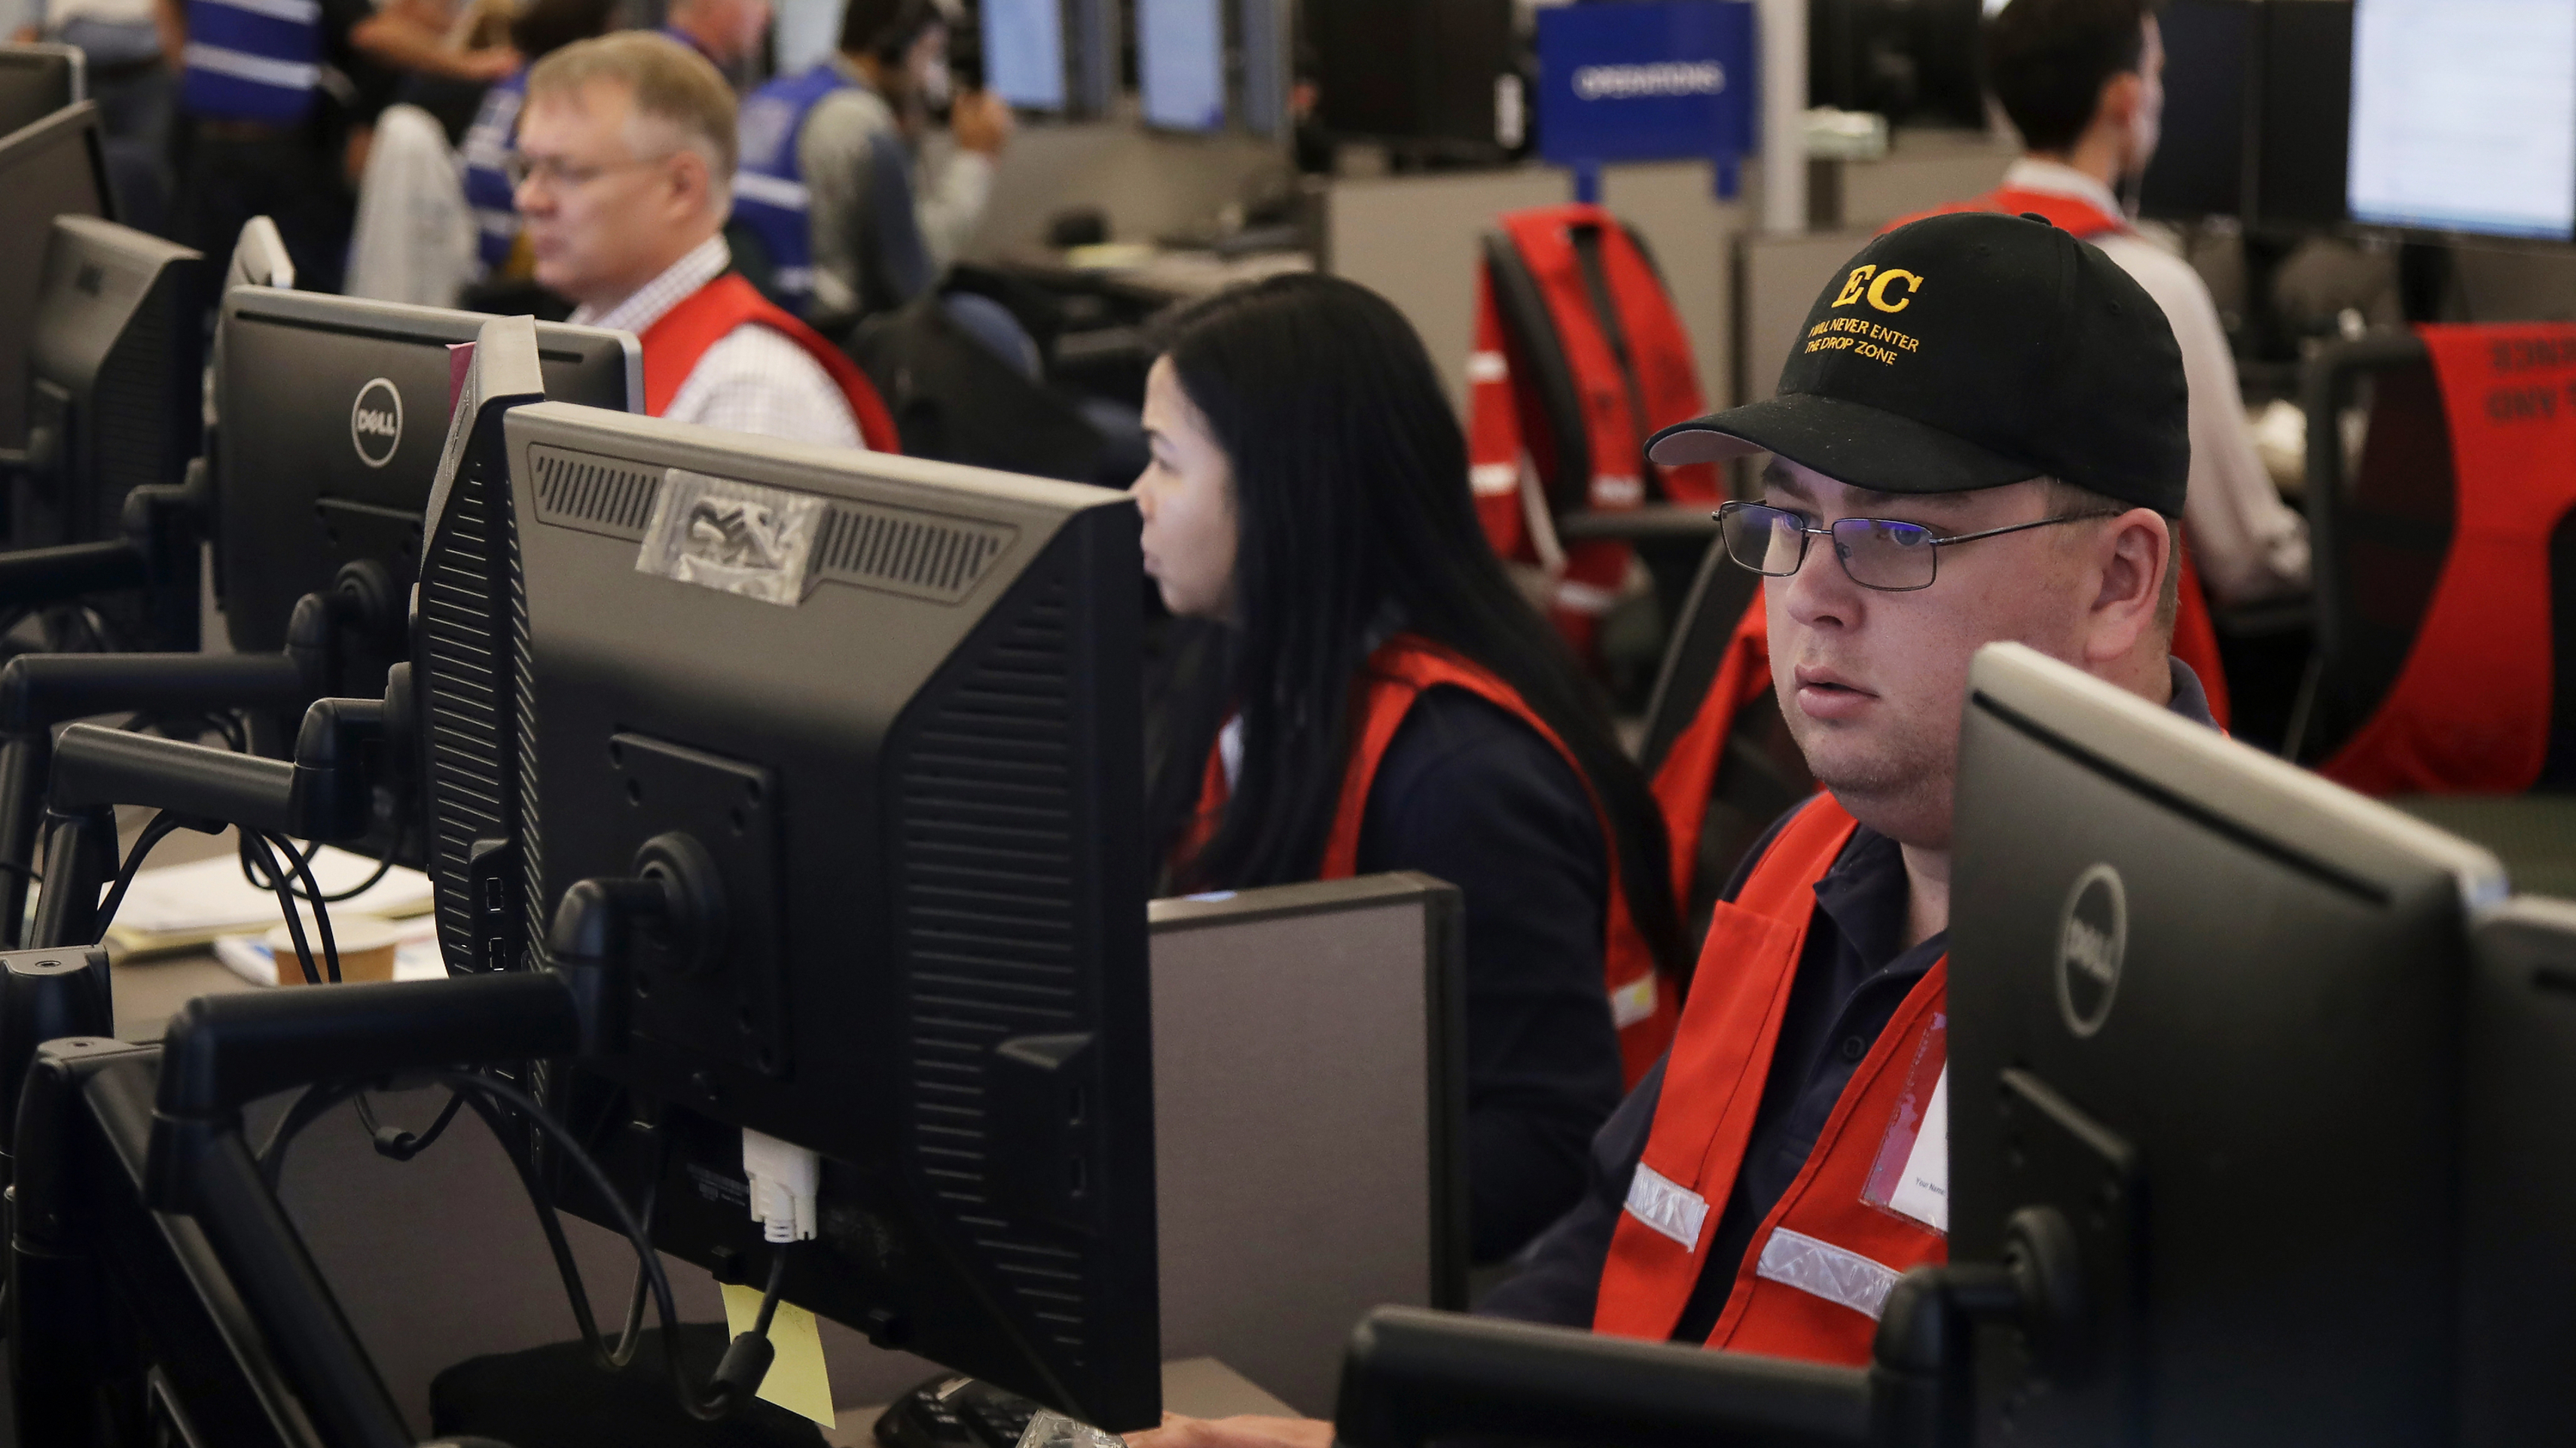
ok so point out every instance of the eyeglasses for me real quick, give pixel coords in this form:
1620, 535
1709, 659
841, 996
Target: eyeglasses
1879, 553
560, 175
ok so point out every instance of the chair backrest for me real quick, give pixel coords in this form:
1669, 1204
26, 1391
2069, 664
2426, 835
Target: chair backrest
1758, 771
1554, 429
2385, 531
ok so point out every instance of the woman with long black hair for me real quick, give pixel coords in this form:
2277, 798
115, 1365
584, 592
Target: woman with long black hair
1378, 696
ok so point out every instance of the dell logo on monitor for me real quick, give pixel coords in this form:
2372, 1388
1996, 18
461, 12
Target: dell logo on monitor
2093, 934
375, 422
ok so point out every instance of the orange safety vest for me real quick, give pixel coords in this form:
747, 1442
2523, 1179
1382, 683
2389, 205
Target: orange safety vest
1821, 1264
1392, 679
2195, 637
1656, 378
2470, 710
673, 345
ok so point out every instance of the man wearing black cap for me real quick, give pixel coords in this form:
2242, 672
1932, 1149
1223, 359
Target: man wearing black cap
1981, 436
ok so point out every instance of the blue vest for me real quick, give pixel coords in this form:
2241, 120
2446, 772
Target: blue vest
252, 60
769, 197
487, 186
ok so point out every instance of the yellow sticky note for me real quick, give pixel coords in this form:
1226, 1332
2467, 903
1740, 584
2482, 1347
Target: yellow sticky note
796, 1379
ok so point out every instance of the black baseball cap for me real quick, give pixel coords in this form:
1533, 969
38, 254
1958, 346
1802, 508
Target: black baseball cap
1969, 351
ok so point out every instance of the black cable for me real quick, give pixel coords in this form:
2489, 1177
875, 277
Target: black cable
769, 1295
398, 1144
720, 1401
153, 833
383, 868
312, 893
310, 1106
255, 842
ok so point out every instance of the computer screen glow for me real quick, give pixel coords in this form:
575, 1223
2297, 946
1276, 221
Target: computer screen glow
1180, 63
1024, 52
2464, 116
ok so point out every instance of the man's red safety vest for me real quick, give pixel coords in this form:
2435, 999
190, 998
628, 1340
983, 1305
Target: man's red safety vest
673, 345
2470, 710
1817, 1274
1393, 678
1506, 416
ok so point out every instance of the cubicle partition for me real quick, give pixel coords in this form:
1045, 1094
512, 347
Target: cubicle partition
1309, 1099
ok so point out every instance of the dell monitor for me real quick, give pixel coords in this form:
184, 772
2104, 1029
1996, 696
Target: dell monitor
36, 81
1180, 63
56, 167
880, 718
2199, 168
1024, 57
2204, 1016
115, 370
2464, 116
334, 410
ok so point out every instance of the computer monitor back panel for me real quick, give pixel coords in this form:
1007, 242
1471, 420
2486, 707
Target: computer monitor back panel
55, 167
2199, 165
332, 412
36, 81
2207, 1006
115, 361
2303, 147
918, 777
1421, 72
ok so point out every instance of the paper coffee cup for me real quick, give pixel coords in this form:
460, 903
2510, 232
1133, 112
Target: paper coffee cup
366, 944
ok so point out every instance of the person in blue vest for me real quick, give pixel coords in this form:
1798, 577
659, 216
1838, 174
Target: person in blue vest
275, 94
831, 185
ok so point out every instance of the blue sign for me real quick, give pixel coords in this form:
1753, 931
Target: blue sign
1646, 82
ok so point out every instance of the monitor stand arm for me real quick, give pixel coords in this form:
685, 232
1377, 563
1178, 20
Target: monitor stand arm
161, 523
40, 691
324, 794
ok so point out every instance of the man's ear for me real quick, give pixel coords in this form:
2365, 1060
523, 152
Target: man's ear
2130, 557
692, 181
2122, 94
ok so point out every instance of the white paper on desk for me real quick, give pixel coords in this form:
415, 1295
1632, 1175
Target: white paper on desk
416, 953
212, 895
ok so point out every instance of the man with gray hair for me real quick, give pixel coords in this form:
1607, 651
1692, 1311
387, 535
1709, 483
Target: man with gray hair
624, 175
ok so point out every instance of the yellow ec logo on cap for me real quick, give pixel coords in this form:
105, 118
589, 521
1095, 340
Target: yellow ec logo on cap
1871, 283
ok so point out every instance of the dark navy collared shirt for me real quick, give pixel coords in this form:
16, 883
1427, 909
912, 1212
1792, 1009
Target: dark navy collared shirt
1855, 971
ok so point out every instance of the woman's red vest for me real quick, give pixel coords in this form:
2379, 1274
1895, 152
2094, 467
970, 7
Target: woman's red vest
673, 345
1821, 1265
1396, 675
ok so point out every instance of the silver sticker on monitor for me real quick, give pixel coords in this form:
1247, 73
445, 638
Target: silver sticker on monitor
732, 537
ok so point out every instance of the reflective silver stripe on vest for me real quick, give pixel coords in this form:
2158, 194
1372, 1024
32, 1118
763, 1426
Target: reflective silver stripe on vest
497, 223
258, 69
793, 279
299, 12
1794, 1259
773, 190
1667, 1206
